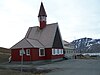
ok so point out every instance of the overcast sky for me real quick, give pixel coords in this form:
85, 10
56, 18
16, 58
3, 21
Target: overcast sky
76, 18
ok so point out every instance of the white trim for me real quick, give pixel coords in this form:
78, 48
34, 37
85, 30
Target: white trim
62, 52
43, 52
53, 51
57, 51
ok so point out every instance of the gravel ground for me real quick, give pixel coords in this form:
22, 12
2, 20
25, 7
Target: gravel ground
75, 67
66, 67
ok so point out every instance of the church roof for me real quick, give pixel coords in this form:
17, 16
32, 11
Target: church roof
27, 43
48, 37
38, 38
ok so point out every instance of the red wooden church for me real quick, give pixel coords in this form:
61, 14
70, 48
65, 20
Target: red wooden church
42, 42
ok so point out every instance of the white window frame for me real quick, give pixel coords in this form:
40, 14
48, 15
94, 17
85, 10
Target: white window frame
40, 52
56, 51
27, 52
62, 52
42, 18
53, 51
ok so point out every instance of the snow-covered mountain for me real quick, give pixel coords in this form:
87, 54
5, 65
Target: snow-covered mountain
87, 45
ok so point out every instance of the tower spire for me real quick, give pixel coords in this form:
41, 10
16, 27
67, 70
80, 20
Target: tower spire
42, 11
42, 16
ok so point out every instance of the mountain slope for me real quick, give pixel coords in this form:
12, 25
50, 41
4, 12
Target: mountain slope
4, 50
87, 45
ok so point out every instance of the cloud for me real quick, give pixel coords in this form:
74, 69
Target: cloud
76, 18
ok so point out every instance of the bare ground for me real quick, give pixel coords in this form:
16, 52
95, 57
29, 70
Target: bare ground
66, 67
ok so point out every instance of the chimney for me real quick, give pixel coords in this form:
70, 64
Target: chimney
42, 16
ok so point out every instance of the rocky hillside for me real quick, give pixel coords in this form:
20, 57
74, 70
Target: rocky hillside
4, 54
87, 45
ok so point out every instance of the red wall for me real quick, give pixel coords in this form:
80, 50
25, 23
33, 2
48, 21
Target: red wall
57, 56
16, 55
42, 24
34, 55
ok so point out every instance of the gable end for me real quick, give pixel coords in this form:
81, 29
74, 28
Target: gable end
57, 40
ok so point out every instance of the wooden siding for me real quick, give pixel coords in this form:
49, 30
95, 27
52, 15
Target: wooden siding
15, 55
34, 55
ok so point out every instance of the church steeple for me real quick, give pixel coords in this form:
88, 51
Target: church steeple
42, 16
42, 11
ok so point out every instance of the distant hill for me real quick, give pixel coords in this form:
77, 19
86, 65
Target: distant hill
4, 54
4, 50
87, 45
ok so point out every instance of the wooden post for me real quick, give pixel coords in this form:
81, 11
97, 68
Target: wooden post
22, 53
22, 63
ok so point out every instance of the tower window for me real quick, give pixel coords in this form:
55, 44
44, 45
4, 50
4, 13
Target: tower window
42, 18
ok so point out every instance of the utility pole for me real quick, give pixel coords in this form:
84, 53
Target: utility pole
22, 64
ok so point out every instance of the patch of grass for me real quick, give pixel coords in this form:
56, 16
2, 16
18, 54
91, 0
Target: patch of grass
4, 58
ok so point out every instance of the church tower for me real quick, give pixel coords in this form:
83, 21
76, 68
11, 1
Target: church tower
42, 16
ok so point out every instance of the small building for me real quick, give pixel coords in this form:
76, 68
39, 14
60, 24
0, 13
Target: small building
42, 42
69, 49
